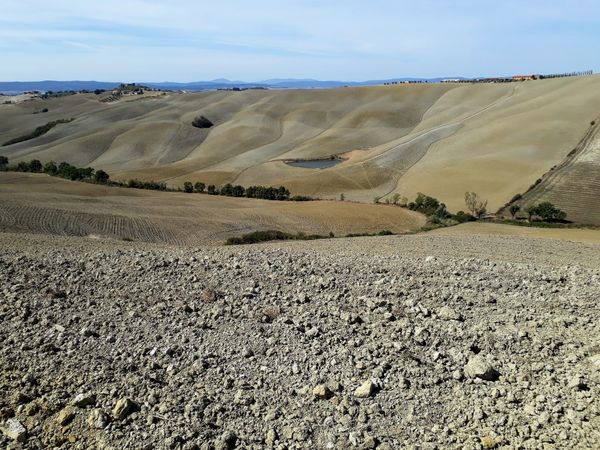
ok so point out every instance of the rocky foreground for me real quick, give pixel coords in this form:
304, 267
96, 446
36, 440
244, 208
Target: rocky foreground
325, 345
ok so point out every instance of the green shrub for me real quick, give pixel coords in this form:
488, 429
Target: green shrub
301, 198
202, 122
260, 236
425, 204
462, 217
276, 235
150, 185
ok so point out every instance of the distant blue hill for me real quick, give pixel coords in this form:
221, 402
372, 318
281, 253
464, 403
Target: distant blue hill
17, 87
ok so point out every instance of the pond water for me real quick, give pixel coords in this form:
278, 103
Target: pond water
314, 163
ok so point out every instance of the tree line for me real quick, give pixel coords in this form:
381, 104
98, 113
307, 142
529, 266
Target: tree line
434, 209
39, 131
545, 211
437, 212
70, 172
63, 170
230, 190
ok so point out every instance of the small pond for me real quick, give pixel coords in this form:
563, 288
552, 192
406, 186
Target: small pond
314, 163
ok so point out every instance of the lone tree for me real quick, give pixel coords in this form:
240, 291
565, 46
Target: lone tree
342, 197
199, 186
475, 204
514, 209
212, 189
396, 198
188, 187
3, 162
101, 176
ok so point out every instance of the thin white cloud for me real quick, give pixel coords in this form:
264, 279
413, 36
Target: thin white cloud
304, 38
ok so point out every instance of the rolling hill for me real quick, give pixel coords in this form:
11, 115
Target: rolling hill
441, 139
37, 203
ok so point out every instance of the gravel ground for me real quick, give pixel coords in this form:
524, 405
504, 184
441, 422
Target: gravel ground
393, 342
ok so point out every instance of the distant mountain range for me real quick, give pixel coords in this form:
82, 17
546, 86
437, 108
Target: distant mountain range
17, 87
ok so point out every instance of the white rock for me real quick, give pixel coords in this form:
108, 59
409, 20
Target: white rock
271, 437
447, 313
479, 367
14, 430
98, 419
83, 400
366, 389
321, 392
576, 382
123, 408
595, 361
65, 416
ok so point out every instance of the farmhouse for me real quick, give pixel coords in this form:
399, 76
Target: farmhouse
525, 77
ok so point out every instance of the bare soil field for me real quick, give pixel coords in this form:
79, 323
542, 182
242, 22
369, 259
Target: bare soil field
421, 341
495, 229
440, 139
38, 203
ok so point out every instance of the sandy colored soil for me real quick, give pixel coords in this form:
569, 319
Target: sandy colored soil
494, 229
42, 204
495, 139
421, 341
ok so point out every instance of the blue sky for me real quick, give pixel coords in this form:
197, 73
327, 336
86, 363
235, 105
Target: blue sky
180, 40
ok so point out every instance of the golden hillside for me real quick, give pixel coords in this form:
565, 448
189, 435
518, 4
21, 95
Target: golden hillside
442, 139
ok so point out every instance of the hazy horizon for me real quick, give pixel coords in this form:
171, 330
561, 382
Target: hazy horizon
149, 41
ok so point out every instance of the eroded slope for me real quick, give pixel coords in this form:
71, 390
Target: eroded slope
495, 139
